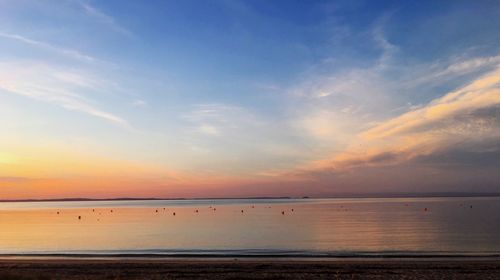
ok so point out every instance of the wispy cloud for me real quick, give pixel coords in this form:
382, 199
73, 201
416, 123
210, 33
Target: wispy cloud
74, 54
481, 93
388, 49
208, 129
332, 108
467, 115
43, 82
139, 103
103, 18
219, 119
389, 114
235, 139
442, 71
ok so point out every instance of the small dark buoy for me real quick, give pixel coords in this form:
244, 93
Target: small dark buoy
156, 210
471, 207
173, 213
163, 208
292, 209
79, 217
241, 211
93, 210
57, 212
111, 211
253, 206
425, 209
196, 211
282, 212
215, 208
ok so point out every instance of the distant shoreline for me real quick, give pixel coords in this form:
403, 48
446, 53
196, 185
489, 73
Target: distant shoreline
381, 195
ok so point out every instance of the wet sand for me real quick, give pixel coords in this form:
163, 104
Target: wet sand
90, 269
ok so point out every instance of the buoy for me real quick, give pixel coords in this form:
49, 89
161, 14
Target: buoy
425, 209
282, 212
173, 213
241, 211
156, 210
57, 212
79, 217
196, 211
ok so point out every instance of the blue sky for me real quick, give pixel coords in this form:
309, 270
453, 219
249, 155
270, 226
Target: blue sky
252, 96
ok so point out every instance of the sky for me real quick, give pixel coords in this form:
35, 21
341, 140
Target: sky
236, 98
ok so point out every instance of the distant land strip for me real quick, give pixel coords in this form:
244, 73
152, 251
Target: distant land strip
344, 195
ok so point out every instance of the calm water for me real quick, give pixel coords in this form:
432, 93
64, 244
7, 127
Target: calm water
323, 226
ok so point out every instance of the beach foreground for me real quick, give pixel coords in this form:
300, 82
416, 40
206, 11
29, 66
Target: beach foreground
247, 269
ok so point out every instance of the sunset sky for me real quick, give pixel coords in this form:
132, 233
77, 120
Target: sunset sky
232, 98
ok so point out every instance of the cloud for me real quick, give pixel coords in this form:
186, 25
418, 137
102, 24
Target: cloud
45, 83
442, 71
139, 103
390, 123
388, 49
482, 93
469, 65
233, 140
218, 118
208, 129
332, 109
385, 115
466, 120
62, 51
103, 18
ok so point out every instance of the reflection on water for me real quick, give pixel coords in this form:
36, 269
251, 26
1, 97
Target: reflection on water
459, 225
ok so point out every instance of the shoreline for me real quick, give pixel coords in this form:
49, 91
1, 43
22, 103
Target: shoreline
287, 257
90, 269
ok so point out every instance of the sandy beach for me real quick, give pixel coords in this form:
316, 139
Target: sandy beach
246, 269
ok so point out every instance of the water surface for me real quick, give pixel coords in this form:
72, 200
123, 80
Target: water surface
407, 226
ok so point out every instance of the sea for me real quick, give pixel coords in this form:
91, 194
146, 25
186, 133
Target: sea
334, 227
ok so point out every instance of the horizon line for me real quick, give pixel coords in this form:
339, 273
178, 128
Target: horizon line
344, 195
